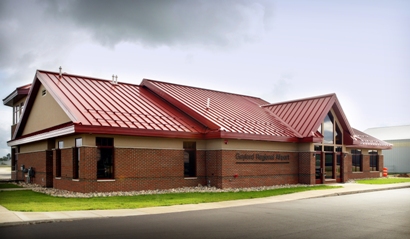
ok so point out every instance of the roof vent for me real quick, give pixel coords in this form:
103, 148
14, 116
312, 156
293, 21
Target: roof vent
61, 73
114, 79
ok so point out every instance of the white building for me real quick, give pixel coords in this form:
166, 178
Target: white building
397, 160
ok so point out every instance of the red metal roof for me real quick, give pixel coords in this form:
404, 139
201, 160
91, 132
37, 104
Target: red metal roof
231, 115
305, 115
93, 104
363, 140
163, 109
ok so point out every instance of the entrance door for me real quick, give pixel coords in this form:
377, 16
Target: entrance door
319, 169
329, 166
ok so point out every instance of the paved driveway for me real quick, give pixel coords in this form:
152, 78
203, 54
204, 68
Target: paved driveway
5, 172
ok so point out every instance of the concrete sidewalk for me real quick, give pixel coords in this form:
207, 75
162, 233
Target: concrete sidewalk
15, 218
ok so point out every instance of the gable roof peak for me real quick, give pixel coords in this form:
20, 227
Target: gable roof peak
302, 99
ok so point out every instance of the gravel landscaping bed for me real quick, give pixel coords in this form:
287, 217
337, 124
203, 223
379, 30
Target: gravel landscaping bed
201, 189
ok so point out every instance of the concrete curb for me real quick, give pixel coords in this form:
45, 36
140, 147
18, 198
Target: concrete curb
362, 191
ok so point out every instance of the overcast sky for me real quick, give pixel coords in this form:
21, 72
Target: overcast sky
275, 50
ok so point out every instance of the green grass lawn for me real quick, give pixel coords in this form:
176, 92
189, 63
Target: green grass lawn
29, 201
387, 180
8, 185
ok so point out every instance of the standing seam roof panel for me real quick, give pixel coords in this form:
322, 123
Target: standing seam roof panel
233, 107
101, 103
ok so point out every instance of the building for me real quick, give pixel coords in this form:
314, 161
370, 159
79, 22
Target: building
396, 160
90, 135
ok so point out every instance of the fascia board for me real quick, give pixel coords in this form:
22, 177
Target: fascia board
42, 136
135, 132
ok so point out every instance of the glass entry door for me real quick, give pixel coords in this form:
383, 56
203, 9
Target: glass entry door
329, 166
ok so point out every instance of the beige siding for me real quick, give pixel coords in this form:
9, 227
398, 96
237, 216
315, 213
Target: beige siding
34, 147
167, 143
44, 114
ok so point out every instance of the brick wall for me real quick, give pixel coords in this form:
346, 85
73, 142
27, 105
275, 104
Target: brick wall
144, 169
366, 173
134, 169
307, 168
42, 164
214, 167
234, 173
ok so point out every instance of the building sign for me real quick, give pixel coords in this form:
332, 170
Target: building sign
262, 157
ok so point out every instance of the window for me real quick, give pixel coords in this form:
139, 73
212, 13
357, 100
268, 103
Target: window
105, 158
339, 136
189, 159
77, 158
18, 110
58, 158
356, 160
13, 159
374, 160
328, 129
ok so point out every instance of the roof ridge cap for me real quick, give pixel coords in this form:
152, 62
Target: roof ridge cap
86, 77
300, 99
194, 87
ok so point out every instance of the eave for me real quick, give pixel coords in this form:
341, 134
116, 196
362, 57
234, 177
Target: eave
135, 132
231, 135
16, 95
370, 146
43, 135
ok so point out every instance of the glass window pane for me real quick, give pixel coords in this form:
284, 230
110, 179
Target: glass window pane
329, 165
339, 136
328, 129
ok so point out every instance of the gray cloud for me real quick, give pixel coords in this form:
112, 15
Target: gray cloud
38, 34
154, 23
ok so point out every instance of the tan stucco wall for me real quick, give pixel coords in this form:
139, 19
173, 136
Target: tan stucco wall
34, 147
44, 114
166, 143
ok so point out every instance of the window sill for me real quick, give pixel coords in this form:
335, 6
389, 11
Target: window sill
188, 178
358, 172
76, 180
57, 178
105, 180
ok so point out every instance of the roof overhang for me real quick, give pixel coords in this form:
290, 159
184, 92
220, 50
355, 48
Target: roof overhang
370, 146
16, 95
135, 132
43, 135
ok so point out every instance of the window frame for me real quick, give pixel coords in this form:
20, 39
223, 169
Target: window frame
190, 167
60, 145
77, 158
357, 160
104, 143
373, 160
